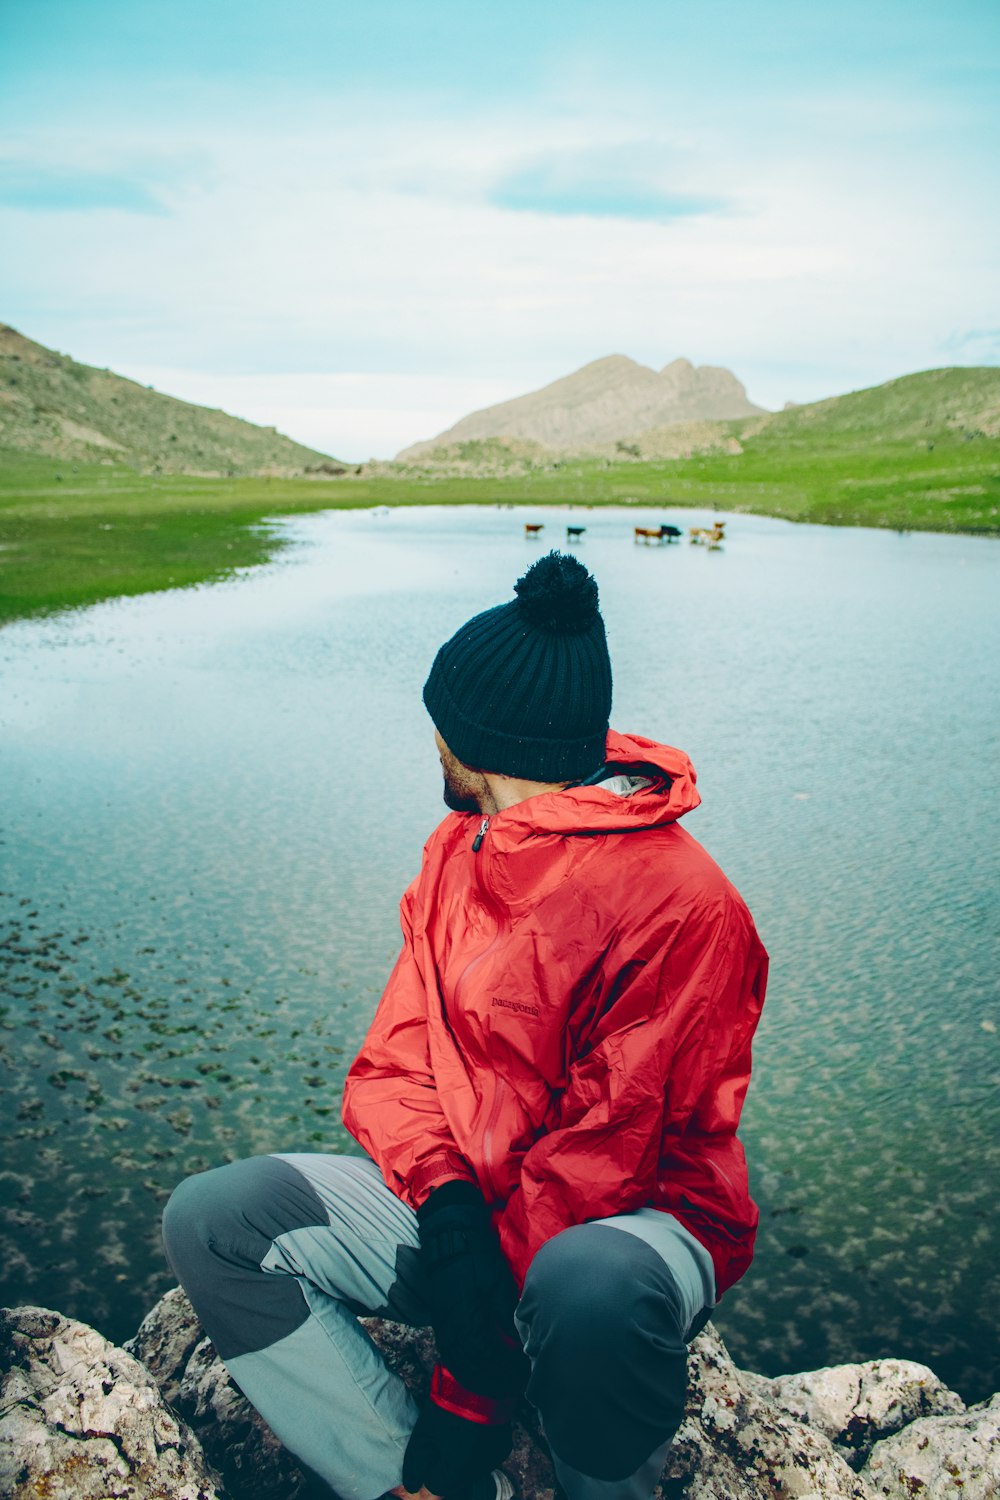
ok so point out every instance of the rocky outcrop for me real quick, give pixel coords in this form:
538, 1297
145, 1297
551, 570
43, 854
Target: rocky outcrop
80, 1418
938, 1458
735, 1443
856, 1406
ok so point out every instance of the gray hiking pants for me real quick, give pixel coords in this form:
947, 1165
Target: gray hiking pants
280, 1254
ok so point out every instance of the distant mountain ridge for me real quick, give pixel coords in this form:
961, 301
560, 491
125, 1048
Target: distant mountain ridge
51, 404
609, 400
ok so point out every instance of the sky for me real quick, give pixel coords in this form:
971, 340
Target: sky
360, 221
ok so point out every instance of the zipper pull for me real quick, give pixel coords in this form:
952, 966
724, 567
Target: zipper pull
478, 840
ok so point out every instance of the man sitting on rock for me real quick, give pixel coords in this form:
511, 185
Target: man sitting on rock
548, 1100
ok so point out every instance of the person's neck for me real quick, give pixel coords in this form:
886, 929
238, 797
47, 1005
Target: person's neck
501, 792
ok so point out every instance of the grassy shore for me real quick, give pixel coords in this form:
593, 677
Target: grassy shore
72, 534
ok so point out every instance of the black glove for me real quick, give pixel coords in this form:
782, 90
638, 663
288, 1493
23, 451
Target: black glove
448, 1451
471, 1291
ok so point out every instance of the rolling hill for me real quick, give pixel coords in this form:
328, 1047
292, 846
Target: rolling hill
50, 404
962, 399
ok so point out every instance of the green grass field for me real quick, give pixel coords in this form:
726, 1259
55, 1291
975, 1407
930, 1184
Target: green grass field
71, 534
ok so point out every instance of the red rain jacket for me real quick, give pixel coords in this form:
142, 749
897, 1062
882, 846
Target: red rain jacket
569, 1022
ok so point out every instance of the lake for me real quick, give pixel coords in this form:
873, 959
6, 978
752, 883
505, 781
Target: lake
212, 800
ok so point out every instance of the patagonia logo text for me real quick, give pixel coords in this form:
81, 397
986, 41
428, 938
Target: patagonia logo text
516, 1005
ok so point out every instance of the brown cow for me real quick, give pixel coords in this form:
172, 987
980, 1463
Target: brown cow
710, 536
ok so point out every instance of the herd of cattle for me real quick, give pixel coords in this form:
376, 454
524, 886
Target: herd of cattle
711, 537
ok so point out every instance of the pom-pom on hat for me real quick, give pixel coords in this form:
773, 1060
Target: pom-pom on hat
524, 689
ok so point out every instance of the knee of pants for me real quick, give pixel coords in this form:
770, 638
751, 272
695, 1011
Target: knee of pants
602, 1323
238, 1210
217, 1228
206, 1210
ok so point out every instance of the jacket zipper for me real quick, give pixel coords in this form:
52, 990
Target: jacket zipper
501, 933
477, 843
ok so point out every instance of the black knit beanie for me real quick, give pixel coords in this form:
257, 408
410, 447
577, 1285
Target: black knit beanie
525, 689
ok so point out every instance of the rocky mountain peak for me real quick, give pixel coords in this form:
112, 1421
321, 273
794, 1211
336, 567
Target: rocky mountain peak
610, 399
678, 367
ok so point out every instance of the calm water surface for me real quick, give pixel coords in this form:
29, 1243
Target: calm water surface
211, 801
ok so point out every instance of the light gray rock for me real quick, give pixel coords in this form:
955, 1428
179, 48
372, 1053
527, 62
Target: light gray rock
82, 1420
856, 1406
165, 1341
736, 1445
940, 1458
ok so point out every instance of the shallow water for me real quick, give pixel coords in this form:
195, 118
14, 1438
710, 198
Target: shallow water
212, 800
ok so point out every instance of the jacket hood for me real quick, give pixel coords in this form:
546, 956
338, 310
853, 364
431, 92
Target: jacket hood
597, 809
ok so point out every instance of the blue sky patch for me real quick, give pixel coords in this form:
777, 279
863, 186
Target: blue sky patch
65, 190
624, 182
530, 192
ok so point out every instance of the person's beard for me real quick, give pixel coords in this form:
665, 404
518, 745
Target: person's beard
458, 800
462, 786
